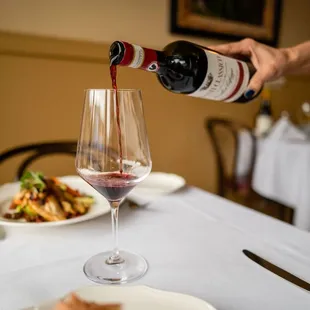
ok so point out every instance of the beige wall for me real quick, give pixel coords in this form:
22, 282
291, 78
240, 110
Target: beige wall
42, 82
142, 21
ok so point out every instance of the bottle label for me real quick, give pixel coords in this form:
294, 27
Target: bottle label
226, 79
139, 57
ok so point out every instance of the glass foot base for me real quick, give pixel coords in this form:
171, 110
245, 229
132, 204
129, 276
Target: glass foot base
132, 268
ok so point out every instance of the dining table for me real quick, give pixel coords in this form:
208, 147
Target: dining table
193, 241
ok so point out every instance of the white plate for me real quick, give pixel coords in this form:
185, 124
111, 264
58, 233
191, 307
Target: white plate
155, 185
136, 298
100, 207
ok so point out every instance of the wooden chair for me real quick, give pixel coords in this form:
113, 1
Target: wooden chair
224, 138
36, 151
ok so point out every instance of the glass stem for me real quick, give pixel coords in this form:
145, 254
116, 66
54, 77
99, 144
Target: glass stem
115, 258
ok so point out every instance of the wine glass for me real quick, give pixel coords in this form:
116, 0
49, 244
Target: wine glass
113, 156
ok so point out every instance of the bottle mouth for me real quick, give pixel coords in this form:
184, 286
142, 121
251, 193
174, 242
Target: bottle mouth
117, 50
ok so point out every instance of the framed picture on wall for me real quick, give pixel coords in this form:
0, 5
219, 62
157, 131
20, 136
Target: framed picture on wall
227, 19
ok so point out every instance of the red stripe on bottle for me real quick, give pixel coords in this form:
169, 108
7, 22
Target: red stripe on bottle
128, 54
240, 80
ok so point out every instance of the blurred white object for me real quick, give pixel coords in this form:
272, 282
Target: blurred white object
245, 149
284, 129
306, 108
282, 169
157, 184
303, 115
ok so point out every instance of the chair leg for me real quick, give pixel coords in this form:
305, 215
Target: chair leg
286, 214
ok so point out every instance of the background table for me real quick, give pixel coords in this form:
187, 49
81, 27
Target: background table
192, 240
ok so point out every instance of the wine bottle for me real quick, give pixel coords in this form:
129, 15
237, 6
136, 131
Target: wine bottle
264, 118
187, 68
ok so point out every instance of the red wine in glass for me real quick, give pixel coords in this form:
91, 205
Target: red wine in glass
113, 186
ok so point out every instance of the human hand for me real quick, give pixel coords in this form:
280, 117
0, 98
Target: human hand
270, 63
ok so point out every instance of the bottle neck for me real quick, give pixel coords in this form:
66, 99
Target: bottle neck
134, 56
265, 108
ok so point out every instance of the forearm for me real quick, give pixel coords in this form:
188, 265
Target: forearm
298, 59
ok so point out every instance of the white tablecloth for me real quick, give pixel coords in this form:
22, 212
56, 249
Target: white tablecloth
282, 173
192, 240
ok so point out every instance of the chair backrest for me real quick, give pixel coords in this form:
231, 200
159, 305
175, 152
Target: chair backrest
225, 138
36, 151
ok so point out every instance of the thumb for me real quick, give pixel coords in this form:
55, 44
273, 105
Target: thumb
256, 83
